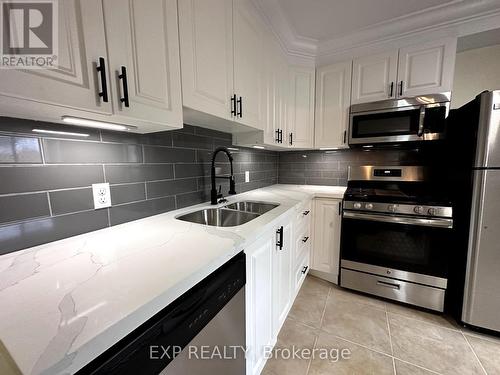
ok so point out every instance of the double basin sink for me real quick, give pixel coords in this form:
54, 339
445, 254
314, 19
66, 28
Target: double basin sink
230, 215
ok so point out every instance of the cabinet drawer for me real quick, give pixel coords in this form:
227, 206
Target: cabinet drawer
301, 271
304, 214
302, 241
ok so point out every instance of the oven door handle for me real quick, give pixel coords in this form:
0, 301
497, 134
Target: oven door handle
421, 122
426, 222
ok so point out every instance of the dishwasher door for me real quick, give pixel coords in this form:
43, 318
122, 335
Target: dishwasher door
200, 333
219, 348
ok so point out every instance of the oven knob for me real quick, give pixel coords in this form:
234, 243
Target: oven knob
369, 206
357, 205
391, 208
431, 211
418, 210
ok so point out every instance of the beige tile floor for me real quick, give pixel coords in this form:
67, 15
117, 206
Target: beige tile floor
382, 337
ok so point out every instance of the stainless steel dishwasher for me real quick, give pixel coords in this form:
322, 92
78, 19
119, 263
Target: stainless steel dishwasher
202, 332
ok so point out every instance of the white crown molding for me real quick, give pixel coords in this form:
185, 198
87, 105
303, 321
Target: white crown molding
455, 18
293, 44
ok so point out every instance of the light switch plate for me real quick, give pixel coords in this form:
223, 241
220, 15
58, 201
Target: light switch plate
102, 195
247, 176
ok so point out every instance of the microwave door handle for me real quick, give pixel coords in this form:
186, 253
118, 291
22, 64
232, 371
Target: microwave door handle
421, 120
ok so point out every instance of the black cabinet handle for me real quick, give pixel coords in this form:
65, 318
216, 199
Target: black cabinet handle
281, 135
279, 240
305, 239
277, 140
101, 69
233, 105
305, 213
401, 88
291, 139
304, 270
240, 102
391, 90
340, 208
345, 136
123, 77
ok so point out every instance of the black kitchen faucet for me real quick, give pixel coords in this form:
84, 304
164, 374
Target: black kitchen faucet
214, 195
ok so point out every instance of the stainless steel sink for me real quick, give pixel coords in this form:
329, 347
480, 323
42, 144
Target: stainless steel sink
220, 217
231, 215
251, 206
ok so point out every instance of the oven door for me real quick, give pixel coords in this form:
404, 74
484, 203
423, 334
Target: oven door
410, 248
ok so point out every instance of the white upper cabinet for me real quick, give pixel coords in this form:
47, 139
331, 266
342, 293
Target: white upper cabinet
333, 98
374, 77
421, 69
206, 39
143, 39
74, 83
248, 39
300, 121
426, 68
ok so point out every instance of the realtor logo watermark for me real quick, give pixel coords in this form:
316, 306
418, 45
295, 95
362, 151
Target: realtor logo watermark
29, 38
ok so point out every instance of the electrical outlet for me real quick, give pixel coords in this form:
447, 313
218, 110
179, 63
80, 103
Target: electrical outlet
247, 176
102, 195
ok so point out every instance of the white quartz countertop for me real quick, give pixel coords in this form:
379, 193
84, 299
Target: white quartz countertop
65, 302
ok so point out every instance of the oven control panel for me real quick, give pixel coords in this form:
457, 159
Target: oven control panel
402, 209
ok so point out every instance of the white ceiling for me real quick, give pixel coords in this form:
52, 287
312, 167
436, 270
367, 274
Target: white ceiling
323, 31
326, 19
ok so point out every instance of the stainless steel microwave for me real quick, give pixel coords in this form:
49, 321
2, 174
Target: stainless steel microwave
417, 119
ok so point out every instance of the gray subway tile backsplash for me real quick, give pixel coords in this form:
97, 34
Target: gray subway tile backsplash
36, 232
138, 210
73, 200
119, 174
72, 152
20, 150
20, 179
22, 207
128, 193
48, 198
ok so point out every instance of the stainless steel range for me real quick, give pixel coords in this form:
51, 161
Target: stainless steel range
396, 233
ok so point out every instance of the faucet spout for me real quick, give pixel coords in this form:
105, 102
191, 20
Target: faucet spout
232, 186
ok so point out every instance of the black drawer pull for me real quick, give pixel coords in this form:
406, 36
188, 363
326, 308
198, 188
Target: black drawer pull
305, 213
123, 77
305, 239
304, 270
101, 69
233, 105
240, 102
279, 240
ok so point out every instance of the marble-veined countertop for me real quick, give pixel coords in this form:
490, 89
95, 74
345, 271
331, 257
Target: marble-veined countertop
65, 302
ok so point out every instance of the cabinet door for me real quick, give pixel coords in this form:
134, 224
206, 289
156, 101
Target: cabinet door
326, 244
258, 302
301, 107
271, 80
144, 39
206, 44
427, 68
248, 37
374, 76
73, 83
333, 98
282, 282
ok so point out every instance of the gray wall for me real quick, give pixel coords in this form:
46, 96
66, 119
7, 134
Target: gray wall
330, 167
45, 180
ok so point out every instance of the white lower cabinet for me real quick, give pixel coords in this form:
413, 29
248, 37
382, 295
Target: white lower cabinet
274, 276
327, 215
258, 292
282, 267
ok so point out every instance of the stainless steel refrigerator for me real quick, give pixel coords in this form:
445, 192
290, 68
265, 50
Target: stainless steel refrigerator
481, 300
